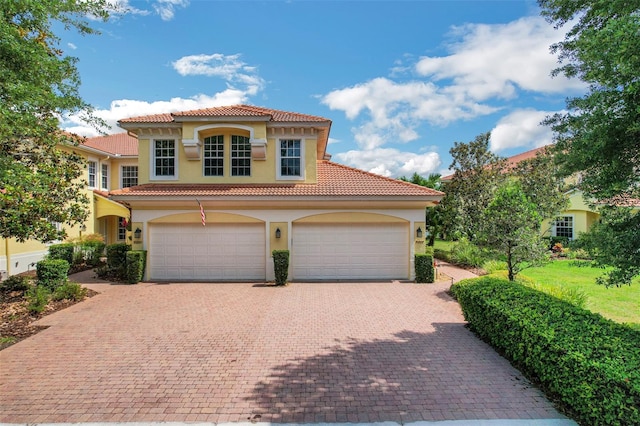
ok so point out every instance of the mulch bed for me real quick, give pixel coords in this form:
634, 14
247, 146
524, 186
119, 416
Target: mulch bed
16, 322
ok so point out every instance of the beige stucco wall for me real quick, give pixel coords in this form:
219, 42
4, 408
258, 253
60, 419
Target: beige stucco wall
262, 171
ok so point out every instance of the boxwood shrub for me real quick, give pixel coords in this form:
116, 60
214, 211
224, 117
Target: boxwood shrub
587, 364
281, 266
52, 273
62, 251
425, 273
136, 262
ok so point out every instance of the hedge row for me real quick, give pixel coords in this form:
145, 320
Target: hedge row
52, 273
586, 363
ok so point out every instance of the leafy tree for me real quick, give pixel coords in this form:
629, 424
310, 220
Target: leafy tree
542, 183
599, 135
511, 225
477, 172
611, 240
38, 84
433, 215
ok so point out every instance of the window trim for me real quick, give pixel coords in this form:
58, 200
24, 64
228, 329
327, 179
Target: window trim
122, 166
104, 185
554, 232
95, 173
279, 175
152, 159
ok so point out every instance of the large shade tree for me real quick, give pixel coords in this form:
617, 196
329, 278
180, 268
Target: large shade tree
477, 173
599, 135
39, 83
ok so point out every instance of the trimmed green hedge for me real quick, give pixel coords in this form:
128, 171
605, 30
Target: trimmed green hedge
281, 266
136, 262
584, 362
425, 273
62, 251
52, 273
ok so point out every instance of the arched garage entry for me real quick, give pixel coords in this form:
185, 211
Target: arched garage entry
230, 247
350, 246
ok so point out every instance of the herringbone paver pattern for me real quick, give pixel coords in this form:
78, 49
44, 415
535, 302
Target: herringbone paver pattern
342, 352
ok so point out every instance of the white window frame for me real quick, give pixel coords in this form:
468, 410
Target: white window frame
204, 157
152, 159
554, 232
279, 175
122, 230
91, 161
122, 166
242, 158
104, 176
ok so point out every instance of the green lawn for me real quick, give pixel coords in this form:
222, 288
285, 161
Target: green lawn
443, 245
621, 304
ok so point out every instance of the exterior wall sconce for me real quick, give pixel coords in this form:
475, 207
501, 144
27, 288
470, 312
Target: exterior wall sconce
419, 232
137, 233
278, 233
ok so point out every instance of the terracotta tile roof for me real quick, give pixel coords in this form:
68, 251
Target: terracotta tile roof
334, 180
117, 144
513, 160
622, 200
238, 111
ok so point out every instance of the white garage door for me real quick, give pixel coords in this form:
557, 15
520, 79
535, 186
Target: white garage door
350, 251
216, 252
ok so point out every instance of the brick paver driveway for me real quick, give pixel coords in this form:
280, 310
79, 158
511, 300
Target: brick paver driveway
324, 352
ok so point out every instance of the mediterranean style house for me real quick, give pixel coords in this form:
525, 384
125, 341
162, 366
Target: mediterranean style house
210, 193
110, 163
220, 188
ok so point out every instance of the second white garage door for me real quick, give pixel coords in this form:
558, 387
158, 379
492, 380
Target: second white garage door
216, 252
350, 251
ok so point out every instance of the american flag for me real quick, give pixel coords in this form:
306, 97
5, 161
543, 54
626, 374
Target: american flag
202, 215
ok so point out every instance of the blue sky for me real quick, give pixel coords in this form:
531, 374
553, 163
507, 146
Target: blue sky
401, 81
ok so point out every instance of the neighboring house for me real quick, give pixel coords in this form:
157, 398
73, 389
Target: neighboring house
220, 188
111, 162
580, 214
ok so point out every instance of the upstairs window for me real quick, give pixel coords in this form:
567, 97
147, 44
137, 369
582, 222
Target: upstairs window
290, 159
214, 156
92, 168
240, 156
164, 158
129, 176
104, 176
563, 227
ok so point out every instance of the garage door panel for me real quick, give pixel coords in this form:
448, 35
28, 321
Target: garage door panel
350, 251
225, 252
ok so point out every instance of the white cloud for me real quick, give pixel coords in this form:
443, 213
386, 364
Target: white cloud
521, 128
124, 108
487, 64
228, 67
494, 61
391, 162
166, 8
72, 46
396, 110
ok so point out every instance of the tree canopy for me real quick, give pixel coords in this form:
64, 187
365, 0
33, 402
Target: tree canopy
477, 173
39, 185
599, 135
511, 226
